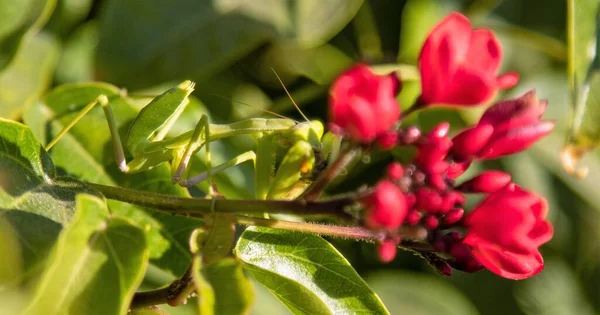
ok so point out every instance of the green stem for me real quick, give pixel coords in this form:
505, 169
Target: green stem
334, 170
348, 232
197, 207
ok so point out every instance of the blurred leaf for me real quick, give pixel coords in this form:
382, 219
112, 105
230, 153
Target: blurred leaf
419, 294
584, 80
153, 310
28, 76
266, 303
320, 64
554, 291
196, 39
67, 15
233, 291
11, 264
18, 19
220, 238
305, 272
418, 19
77, 60
204, 291
97, 255
88, 156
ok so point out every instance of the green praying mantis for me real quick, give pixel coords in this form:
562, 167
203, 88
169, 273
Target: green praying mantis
149, 146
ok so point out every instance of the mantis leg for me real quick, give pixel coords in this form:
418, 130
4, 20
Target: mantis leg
101, 100
246, 156
197, 141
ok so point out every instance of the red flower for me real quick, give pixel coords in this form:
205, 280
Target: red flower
459, 65
363, 104
486, 182
505, 231
385, 207
505, 128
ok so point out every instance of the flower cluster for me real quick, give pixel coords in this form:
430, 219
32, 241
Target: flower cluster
458, 66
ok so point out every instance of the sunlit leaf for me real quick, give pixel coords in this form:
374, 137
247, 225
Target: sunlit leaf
30, 73
19, 19
306, 273
97, 255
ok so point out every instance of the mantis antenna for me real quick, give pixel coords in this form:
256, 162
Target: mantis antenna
254, 107
290, 96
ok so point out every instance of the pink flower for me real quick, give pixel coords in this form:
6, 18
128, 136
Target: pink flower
363, 104
385, 207
459, 65
505, 231
507, 127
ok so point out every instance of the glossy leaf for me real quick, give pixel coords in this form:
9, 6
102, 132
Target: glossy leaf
584, 81
97, 255
206, 36
19, 19
28, 76
419, 294
305, 272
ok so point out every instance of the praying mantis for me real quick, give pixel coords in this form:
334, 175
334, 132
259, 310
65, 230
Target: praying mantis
149, 146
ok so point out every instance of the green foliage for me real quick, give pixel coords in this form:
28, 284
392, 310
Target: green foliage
96, 255
584, 77
305, 272
19, 20
51, 222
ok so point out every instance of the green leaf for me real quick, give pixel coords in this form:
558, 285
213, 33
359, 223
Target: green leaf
418, 18
18, 19
419, 294
539, 295
67, 15
584, 80
320, 64
11, 264
97, 256
196, 39
189, 39
305, 272
233, 292
35, 203
77, 60
27, 77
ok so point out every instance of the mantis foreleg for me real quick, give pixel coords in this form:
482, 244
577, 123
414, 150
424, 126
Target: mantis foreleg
101, 100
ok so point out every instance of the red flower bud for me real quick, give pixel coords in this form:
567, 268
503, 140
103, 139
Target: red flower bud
387, 251
486, 182
453, 216
385, 207
505, 231
517, 125
388, 140
459, 65
428, 199
363, 104
413, 217
431, 222
395, 171
467, 143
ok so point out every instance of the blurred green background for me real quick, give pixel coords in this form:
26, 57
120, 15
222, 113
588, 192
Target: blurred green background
229, 47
